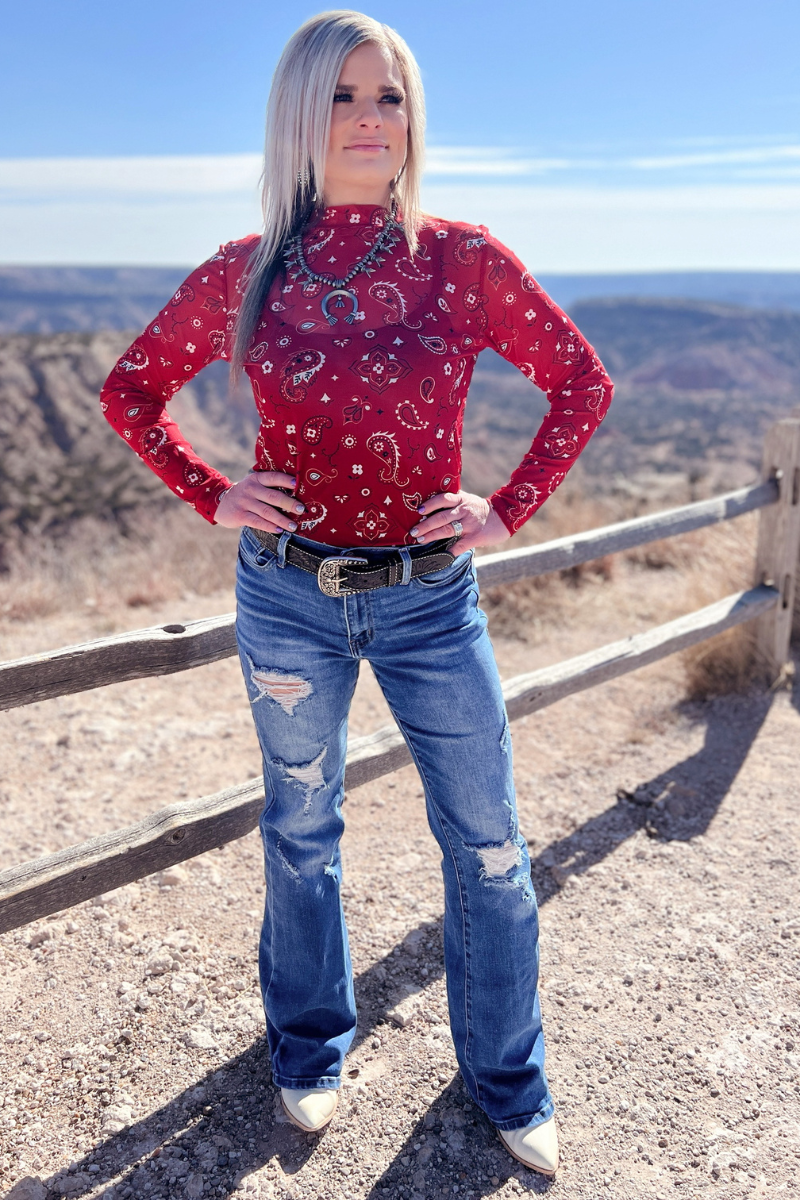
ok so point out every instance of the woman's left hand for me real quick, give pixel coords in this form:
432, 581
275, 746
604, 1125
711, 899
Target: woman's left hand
480, 524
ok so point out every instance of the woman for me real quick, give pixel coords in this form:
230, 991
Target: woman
358, 321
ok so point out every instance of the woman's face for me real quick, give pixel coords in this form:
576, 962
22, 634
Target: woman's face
369, 128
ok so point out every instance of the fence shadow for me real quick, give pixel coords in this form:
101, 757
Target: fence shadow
203, 1124
676, 805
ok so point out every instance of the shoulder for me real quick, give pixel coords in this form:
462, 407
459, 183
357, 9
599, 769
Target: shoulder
235, 256
461, 243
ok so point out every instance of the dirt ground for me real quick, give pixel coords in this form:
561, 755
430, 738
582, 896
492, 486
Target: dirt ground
664, 844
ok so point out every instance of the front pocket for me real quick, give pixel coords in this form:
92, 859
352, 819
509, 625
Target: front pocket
457, 568
253, 554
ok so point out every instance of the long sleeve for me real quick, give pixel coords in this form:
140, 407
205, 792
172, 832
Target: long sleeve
524, 325
188, 333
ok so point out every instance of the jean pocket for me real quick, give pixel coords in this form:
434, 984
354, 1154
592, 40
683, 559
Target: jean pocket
458, 568
253, 554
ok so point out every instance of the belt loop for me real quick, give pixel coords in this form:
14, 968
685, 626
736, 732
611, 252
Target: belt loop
406, 557
281, 550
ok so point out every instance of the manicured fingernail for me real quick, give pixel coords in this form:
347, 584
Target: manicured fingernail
299, 508
294, 481
421, 508
293, 525
414, 532
421, 537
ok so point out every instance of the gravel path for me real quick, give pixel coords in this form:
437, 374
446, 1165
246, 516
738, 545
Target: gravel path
664, 842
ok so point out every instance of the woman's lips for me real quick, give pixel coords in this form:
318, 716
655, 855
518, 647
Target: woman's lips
367, 148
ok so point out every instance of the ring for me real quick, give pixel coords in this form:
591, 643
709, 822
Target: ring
458, 528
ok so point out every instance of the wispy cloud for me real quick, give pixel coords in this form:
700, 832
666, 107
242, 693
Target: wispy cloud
714, 159
682, 209
163, 175
238, 174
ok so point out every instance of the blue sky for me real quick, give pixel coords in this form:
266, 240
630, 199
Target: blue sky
622, 135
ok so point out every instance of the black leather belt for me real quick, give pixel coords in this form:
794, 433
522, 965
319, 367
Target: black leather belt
343, 574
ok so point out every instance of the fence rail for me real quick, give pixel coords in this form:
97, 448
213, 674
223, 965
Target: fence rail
181, 831
165, 649
57, 881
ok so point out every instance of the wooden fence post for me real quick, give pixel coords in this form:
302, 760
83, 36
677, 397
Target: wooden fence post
779, 543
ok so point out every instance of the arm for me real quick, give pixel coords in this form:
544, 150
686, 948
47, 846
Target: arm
530, 331
188, 333
522, 324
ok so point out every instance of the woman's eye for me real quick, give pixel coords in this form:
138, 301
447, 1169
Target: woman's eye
390, 99
342, 96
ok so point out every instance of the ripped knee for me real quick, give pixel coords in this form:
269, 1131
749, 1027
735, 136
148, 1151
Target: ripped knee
308, 775
505, 864
285, 689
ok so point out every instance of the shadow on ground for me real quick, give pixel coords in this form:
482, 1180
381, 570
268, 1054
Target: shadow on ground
198, 1138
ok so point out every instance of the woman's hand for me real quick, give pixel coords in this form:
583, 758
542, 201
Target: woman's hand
480, 523
258, 501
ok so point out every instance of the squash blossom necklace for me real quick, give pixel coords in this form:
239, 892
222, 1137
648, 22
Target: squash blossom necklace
296, 266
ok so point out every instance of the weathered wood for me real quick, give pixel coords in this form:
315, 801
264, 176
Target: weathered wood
181, 831
527, 693
160, 650
164, 649
578, 548
779, 543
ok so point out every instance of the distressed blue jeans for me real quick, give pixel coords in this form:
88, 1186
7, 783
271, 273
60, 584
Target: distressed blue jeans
427, 643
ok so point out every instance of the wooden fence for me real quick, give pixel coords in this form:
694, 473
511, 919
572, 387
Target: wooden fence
180, 831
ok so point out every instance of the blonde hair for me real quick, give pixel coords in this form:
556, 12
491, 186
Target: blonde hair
296, 145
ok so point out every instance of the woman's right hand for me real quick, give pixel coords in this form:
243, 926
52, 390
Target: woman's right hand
258, 501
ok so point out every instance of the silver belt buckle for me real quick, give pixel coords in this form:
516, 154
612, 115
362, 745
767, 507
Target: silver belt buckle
329, 575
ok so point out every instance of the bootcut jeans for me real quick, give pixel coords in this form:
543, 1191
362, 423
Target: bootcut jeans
427, 643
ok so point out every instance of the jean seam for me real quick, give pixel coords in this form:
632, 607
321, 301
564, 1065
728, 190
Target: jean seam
464, 912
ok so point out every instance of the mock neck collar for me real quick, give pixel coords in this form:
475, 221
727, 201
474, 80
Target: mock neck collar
353, 215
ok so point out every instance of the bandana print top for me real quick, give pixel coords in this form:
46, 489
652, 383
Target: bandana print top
367, 415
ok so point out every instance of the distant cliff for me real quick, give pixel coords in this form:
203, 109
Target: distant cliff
697, 386
56, 299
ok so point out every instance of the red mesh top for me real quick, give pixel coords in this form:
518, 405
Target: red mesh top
367, 415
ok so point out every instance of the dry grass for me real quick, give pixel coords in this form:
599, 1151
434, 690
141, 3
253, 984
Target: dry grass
163, 556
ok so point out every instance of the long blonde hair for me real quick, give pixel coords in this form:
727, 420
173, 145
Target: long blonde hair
296, 145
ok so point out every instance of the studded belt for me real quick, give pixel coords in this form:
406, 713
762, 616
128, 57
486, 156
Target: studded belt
343, 574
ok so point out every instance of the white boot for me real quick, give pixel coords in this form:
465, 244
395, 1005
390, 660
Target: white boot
536, 1146
309, 1110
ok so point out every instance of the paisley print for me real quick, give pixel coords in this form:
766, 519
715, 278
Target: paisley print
194, 474
468, 244
426, 389
314, 428
185, 292
134, 359
314, 477
141, 414
358, 412
596, 401
154, 445
297, 373
525, 494
384, 446
392, 297
437, 345
315, 512
407, 415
